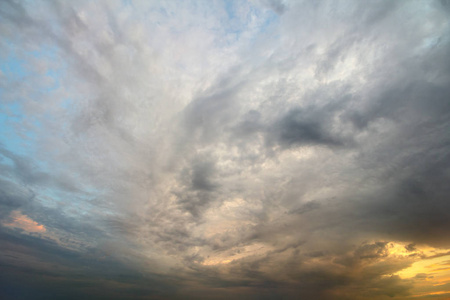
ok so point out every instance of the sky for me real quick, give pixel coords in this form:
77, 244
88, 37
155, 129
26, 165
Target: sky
265, 149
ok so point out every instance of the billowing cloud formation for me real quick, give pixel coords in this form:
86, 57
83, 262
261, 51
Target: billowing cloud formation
256, 150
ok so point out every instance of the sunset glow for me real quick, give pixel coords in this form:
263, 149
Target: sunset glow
24, 222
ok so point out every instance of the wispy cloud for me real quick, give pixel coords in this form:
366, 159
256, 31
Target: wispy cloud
21, 221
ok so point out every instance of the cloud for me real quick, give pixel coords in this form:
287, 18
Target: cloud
267, 149
23, 222
296, 128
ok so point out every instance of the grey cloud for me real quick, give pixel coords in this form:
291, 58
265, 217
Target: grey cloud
29, 173
421, 276
201, 176
279, 6
303, 128
24, 169
14, 196
372, 250
195, 202
410, 247
206, 117
309, 126
76, 275
250, 124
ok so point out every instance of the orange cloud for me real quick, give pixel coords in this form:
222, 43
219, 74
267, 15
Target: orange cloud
22, 221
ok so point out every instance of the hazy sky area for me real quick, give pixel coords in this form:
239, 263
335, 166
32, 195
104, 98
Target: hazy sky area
262, 149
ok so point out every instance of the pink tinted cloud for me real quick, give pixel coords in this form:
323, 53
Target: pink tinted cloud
24, 222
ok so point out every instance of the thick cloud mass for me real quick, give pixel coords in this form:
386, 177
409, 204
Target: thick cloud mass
215, 149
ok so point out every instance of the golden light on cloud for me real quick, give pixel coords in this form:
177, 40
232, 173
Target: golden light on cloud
430, 273
24, 222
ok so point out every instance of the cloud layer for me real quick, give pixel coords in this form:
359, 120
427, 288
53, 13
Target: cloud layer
256, 150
